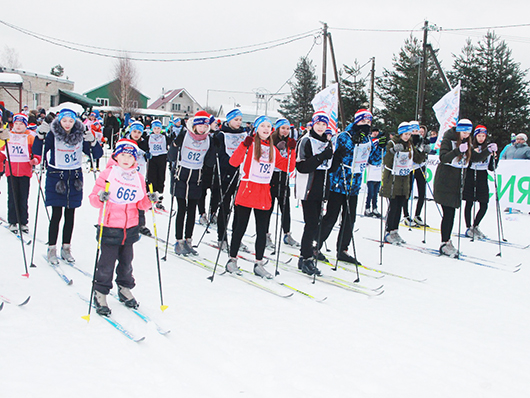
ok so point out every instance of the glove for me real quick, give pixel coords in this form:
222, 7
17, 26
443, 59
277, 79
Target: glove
281, 145
154, 197
179, 139
34, 162
103, 196
398, 148
4, 134
216, 141
463, 147
426, 148
358, 138
492, 147
291, 143
325, 154
89, 137
340, 152
248, 141
382, 141
148, 155
43, 130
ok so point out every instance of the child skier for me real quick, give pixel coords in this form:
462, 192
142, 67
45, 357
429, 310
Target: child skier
400, 155
157, 156
189, 150
62, 144
476, 182
313, 159
373, 173
280, 189
18, 171
125, 197
259, 157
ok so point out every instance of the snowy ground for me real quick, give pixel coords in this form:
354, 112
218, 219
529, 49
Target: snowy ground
462, 333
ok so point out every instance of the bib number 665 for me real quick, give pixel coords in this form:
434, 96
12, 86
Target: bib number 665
126, 194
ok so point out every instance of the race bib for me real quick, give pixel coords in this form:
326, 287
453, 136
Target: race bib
361, 153
125, 186
18, 148
459, 164
481, 165
232, 141
318, 147
157, 144
193, 152
261, 172
373, 173
402, 164
142, 163
68, 157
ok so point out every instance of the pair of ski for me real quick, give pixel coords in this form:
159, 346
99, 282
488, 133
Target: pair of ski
343, 284
4, 299
5, 224
485, 239
462, 257
119, 326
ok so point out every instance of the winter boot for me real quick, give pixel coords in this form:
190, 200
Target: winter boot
399, 238
289, 240
391, 238
66, 253
268, 242
478, 233
126, 297
160, 206
100, 302
309, 268
344, 256
447, 249
375, 213
368, 213
25, 228
203, 220
470, 232
409, 222
52, 255
189, 248
260, 270
213, 219
180, 248
145, 231
13, 228
231, 266
419, 222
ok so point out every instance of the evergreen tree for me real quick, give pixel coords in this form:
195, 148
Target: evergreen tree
297, 106
353, 91
494, 90
398, 88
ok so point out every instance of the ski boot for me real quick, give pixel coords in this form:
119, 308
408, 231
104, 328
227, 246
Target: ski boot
126, 297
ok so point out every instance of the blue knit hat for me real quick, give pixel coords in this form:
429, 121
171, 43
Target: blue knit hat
404, 128
20, 117
414, 125
126, 146
281, 122
136, 126
156, 123
261, 119
480, 129
66, 113
233, 114
320, 116
362, 114
464, 125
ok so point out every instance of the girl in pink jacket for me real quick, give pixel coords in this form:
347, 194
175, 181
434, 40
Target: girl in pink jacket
125, 196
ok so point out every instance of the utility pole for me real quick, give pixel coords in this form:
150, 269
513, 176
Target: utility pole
324, 55
337, 79
372, 85
423, 74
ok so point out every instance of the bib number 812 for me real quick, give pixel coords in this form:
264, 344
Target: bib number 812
126, 194
70, 157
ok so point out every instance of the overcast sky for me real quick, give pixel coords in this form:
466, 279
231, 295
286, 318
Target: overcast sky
135, 25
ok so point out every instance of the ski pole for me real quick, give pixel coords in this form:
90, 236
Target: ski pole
424, 212
499, 216
460, 210
162, 306
100, 235
172, 193
17, 210
285, 188
36, 220
474, 199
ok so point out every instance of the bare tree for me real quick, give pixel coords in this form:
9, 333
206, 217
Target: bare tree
10, 58
126, 79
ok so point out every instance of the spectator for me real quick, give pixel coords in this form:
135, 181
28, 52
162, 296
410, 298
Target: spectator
519, 150
111, 130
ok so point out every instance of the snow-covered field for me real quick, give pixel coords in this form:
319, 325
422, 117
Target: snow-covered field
461, 333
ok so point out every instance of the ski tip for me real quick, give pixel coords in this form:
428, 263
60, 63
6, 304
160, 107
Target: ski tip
69, 283
1, 305
139, 339
26, 275
24, 302
163, 307
86, 318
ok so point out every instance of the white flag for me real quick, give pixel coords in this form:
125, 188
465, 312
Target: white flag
327, 100
447, 111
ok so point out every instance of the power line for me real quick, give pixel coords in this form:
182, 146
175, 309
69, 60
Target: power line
488, 27
69, 47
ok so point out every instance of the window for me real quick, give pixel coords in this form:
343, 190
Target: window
53, 101
180, 95
133, 104
175, 107
188, 108
36, 100
103, 101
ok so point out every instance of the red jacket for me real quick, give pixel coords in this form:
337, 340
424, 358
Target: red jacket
20, 169
252, 194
